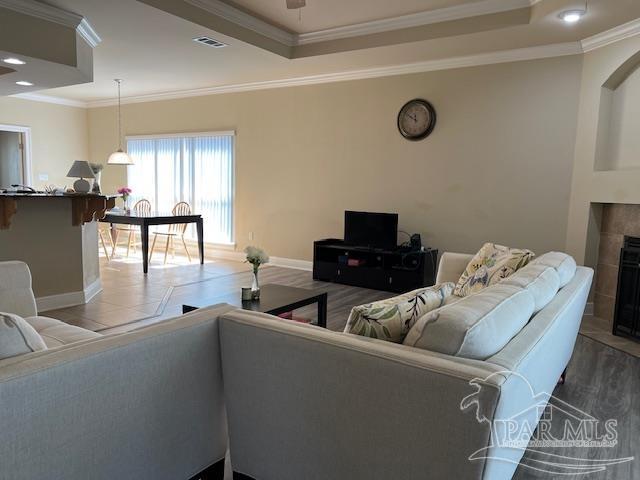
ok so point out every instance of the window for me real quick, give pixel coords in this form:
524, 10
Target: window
197, 169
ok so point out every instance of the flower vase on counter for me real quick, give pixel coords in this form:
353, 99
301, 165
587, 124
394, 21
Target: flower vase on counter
126, 193
97, 171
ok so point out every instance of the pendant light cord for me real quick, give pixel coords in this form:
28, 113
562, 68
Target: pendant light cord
117, 80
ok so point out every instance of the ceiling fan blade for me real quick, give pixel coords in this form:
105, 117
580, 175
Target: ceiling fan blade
293, 4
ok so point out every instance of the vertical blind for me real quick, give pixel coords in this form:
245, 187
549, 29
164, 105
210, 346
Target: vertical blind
193, 169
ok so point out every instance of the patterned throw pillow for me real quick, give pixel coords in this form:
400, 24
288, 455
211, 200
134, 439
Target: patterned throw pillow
490, 265
391, 319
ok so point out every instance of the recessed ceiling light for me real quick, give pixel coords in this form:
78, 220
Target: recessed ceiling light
24, 83
14, 61
572, 16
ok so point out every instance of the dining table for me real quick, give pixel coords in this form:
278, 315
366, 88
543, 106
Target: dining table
145, 220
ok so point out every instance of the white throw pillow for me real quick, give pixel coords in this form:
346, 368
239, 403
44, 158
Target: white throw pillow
477, 326
541, 281
17, 337
392, 318
564, 264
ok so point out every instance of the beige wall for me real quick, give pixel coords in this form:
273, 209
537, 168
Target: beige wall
498, 166
618, 142
588, 184
59, 136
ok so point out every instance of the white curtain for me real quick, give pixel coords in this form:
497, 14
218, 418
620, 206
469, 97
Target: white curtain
195, 169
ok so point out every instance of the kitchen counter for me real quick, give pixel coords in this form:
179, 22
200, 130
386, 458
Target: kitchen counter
57, 236
86, 206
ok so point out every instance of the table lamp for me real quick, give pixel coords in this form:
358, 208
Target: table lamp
81, 170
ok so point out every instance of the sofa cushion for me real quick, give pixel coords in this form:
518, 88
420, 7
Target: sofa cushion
564, 264
476, 326
489, 266
541, 281
17, 337
392, 318
56, 333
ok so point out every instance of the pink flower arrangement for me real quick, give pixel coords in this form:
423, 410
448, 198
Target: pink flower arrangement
125, 192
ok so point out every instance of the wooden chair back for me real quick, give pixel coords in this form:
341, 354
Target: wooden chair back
180, 208
142, 207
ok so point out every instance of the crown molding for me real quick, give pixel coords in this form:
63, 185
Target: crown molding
53, 14
520, 54
36, 97
88, 34
457, 12
43, 11
245, 20
626, 30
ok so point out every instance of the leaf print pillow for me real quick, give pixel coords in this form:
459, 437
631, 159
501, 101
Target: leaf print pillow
489, 266
391, 319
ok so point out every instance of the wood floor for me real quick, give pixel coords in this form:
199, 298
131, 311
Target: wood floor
130, 300
602, 381
605, 383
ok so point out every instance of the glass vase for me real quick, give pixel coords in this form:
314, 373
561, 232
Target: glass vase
96, 183
255, 286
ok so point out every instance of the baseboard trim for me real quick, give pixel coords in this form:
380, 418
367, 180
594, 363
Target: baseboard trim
273, 261
291, 263
225, 254
71, 299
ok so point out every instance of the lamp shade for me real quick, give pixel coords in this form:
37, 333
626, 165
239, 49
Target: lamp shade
119, 158
81, 169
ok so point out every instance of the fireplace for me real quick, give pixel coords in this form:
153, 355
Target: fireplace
619, 226
626, 318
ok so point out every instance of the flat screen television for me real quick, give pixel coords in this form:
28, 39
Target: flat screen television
373, 230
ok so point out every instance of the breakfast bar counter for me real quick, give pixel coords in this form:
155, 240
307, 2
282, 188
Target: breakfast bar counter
57, 236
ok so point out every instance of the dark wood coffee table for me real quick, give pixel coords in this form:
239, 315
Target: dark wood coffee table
276, 300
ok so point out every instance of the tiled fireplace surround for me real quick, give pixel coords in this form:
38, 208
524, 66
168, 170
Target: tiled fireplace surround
617, 221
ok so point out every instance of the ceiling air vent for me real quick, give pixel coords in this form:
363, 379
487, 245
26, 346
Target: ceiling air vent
210, 42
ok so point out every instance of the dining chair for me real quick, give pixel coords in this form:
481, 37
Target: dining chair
174, 231
104, 232
142, 207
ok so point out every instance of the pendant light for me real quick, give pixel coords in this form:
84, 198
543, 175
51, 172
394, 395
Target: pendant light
119, 157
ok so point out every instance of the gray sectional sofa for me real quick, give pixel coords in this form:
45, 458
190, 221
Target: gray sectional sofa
290, 401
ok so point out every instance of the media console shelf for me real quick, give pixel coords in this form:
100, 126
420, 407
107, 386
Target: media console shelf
390, 270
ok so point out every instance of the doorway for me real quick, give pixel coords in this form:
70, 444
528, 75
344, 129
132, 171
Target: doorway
15, 161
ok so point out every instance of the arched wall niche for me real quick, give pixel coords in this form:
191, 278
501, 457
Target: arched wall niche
618, 138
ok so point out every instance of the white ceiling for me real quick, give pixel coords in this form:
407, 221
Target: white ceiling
153, 51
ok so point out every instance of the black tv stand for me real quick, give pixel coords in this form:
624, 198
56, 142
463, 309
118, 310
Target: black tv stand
398, 270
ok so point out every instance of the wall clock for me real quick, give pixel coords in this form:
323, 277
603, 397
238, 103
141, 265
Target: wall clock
417, 119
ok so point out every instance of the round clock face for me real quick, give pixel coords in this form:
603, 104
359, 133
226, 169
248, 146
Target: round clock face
416, 119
